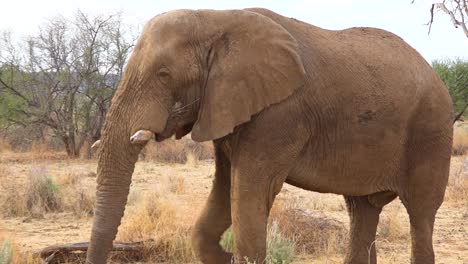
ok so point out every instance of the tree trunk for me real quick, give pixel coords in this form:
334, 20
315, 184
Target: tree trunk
70, 147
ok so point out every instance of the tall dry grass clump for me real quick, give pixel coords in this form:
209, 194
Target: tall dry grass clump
460, 141
154, 220
42, 193
457, 188
12, 199
177, 184
75, 196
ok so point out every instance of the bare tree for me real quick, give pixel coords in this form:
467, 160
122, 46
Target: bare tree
64, 76
456, 9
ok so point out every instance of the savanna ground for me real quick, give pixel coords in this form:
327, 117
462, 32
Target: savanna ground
47, 199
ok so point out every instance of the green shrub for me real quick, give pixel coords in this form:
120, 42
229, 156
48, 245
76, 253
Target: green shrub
280, 249
227, 240
5, 252
42, 193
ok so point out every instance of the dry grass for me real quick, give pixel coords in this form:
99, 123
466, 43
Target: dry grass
75, 196
27, 157
154, 219
70, 178
457, 191
192, 159
4, 147
177, 184
457, 188
313, 233
10, 252
42, 194
38, 197
13, 200
178, 151
391, 228
460, 141
79, 200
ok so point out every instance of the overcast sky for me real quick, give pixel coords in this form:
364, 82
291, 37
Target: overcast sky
398, 16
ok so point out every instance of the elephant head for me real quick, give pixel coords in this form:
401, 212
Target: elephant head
204, 72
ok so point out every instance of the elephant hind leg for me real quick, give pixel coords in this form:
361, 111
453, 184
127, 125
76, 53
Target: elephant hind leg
423, 197
364, 214
422, 216
422, 192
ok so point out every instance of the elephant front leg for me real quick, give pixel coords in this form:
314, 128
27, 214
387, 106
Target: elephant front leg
216, 216
252, 197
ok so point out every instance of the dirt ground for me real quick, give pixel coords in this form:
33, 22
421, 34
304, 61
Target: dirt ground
33, 234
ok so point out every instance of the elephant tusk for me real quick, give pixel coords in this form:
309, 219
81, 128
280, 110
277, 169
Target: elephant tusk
96, 144
141, 137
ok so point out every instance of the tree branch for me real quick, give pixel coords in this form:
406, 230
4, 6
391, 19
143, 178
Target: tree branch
13, 90
456, 23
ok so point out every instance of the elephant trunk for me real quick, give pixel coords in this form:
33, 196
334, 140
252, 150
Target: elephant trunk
115, 168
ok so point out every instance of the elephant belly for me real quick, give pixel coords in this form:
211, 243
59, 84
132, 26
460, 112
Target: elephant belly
363, 172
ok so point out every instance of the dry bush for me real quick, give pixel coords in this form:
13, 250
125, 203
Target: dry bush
43, 195
4, 147
314, 234
390, 228
39, 196
79, 200
177, 151
457, 188
75, 196
13, 200
460, 141
457, 191
153, 220
12, 197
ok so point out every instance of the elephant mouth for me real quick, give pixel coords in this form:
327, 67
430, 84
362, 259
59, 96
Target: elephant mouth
159, 137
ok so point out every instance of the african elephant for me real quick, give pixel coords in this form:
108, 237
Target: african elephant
356, 112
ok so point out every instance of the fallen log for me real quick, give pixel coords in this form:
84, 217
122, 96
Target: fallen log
125, 252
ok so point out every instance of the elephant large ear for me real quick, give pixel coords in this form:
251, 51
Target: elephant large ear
253, 63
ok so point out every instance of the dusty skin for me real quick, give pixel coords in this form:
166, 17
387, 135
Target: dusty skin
355, 112
32, 234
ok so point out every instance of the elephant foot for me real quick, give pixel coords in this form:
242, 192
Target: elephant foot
222, 258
